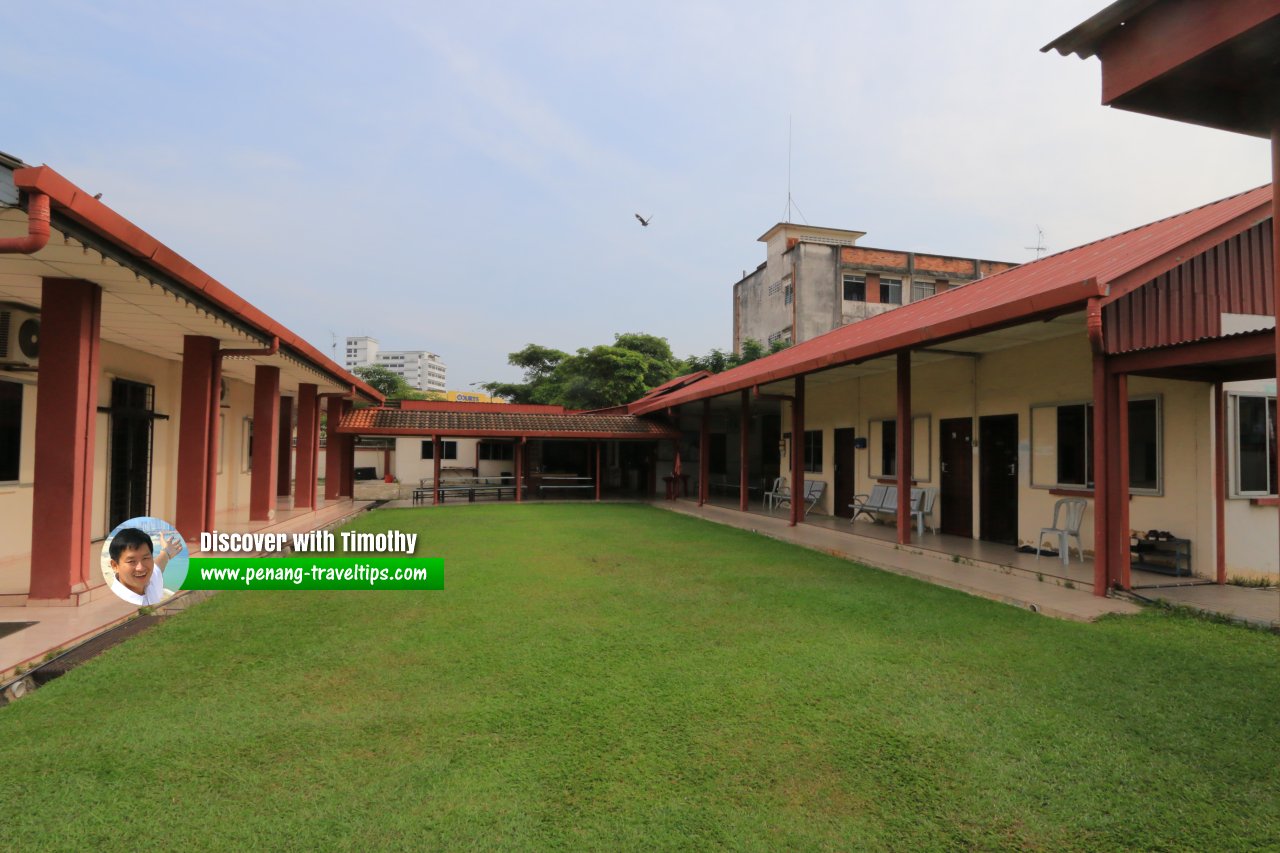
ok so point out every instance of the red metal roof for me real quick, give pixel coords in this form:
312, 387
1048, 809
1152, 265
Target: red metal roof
461, 406
378, 421
1053, 284
675, 384
1187, 303
82, 207
1084, 39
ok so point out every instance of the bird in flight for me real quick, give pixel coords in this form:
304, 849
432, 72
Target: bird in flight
643, 221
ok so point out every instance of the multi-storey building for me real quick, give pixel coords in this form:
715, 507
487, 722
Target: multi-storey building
816, 279
421, 369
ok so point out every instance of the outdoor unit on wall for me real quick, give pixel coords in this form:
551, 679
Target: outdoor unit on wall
19, 336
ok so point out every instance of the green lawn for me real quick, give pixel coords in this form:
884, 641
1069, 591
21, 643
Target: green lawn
619, 677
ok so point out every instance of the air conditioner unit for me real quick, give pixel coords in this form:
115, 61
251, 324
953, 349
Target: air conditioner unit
19, 336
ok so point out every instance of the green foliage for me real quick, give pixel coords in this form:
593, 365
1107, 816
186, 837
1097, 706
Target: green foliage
718, 361
392, 385
595, 378
610, 374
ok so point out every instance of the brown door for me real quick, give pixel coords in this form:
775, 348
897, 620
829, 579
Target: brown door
998, 478
843, 486
956, 495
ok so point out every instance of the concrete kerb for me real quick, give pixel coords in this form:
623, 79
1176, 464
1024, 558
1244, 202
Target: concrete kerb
993, 582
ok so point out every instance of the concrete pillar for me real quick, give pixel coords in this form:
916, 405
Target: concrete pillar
66, 411
797, 454
904, 436
199, 411
519, 454
744, 458
346, 488
333, 455
266, 443
436, 449
704, 451
308, 446
284, 449
1220, 483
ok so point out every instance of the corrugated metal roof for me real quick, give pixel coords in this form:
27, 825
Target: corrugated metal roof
1085, 38
1059, 282
1187, 303
675, 384
501, 424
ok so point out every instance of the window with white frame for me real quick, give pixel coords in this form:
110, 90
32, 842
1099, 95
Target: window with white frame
855, 288
1062, 446
1252, 434
495, 452
923, 288
448, 450
891, 291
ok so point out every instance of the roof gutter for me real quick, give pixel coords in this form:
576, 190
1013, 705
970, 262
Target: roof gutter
90, 221
37, 228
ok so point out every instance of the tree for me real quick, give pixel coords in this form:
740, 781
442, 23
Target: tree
718, 361
391, 384
540, 385
594, 378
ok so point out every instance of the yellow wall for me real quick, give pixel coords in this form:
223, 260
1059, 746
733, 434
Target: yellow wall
409, 466
119, 362
1011, 382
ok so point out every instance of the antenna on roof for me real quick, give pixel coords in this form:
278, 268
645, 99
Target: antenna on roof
1039, 248
333, 344
786, 217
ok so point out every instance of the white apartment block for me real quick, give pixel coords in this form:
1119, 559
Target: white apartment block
421, 369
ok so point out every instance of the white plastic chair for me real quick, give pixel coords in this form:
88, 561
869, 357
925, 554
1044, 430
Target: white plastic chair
1069, 527
777, 494
922, 506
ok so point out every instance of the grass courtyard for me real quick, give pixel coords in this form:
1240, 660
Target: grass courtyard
620, 677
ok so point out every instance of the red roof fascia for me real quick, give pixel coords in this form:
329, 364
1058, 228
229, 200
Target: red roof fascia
461, 406
678, 382
882, 335
406, 432
1058, 282
93, 214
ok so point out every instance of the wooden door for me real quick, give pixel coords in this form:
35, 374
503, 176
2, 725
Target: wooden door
956, 495
843, 485
998, 478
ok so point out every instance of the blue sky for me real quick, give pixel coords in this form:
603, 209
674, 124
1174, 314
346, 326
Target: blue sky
462, 177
